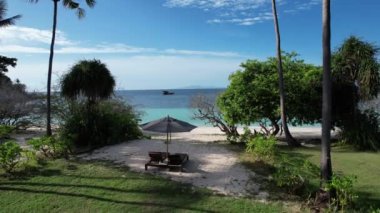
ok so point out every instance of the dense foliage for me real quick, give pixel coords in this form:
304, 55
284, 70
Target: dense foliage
10, 153
356, 79
107, 123
16, 104
90, 120
262, 147
5, 130
252, 95
51, 146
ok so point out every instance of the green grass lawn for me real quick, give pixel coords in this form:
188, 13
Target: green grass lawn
364, 165
61, 186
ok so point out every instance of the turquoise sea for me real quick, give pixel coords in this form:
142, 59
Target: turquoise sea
154, 105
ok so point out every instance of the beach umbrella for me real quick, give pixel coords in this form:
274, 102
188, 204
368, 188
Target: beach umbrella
167, 125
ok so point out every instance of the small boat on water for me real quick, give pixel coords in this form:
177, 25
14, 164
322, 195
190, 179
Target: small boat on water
166, 92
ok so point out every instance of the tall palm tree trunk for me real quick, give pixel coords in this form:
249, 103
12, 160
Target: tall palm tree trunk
326, 168
50, 70
290, 140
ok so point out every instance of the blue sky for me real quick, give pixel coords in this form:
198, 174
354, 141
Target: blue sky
158, 44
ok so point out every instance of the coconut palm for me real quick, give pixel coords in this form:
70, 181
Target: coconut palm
290, 140
326, 168
73, 5
90, 79
5, 22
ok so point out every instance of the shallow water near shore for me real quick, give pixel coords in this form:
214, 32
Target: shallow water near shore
153, 105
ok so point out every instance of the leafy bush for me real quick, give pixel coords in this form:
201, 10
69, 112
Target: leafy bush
50, 146
108, 122
342, 186
247, 135
364, 132
5, 130
263, 147
10, 153
293, 174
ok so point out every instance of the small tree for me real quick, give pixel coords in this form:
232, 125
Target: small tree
10, 153
91, 81
252, 95
206, 110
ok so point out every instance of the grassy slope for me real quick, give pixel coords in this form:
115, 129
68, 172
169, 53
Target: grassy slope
364, 165
60, 186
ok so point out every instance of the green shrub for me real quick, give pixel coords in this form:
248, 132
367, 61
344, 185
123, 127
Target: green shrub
343, 187
108, 122
263, 147
247, 135
293, 174
10, 153
5, 130
50, 146
362, 131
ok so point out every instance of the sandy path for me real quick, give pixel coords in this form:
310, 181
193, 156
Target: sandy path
211, 165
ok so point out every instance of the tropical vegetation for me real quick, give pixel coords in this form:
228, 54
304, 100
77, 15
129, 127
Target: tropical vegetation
93, 119
80, 12
272, 93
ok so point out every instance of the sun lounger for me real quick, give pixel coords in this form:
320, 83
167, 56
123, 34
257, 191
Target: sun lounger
156, 159
177, 160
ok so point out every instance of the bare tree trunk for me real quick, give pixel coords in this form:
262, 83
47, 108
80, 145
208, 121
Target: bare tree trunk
289, 139
326, 168
50, 70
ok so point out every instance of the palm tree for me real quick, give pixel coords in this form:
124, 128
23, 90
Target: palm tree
70, 4
355, 63
290, 140
5, 22
90, 79
326, 168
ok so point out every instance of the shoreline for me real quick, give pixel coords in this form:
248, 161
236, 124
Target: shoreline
213, 134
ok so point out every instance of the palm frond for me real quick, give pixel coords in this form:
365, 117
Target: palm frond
4, 22
88, 78
81, 13
70, 4
90, 3
9, 21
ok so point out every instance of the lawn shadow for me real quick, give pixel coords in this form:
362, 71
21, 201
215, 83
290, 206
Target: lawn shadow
367, 202
182, 206
162, 195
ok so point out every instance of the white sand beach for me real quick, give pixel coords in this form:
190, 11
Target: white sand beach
211, 165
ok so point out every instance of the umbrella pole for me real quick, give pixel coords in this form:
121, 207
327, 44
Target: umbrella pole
167, 137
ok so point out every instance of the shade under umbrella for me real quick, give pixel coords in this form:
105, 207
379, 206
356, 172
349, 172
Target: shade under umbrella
168, 125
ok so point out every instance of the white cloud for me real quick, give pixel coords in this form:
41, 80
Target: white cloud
37, 41
241, 12
104, 49
243, 21
217, 4
16, 34
200, 53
